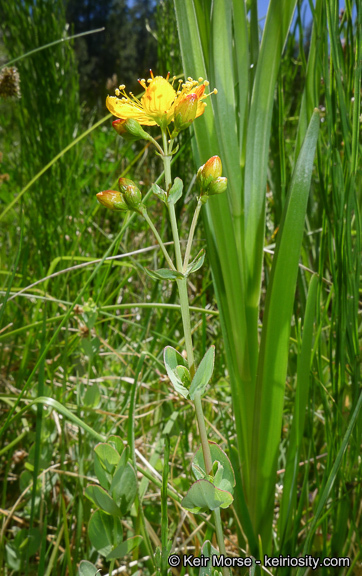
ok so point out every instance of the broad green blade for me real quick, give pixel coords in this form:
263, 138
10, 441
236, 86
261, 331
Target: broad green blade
277, 25
214, 44
222, 250
274, 346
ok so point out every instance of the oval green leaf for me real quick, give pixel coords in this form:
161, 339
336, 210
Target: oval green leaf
164, 274
196, 263
105, 532
116, 442
204, 496
159, 192
125, 548
176, 370
176, 191
104, 478
124, 487
203, 373
100, 498
87, 569
217, 455
108, 457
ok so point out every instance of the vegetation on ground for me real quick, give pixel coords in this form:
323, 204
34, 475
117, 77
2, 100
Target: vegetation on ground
83, 327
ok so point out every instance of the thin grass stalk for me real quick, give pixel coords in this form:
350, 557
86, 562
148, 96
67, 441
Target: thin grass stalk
288, 503
49, 45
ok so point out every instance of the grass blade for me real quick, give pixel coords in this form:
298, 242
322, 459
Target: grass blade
49, 45
296, 433
331, 479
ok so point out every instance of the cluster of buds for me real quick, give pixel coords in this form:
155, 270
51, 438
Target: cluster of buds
128, 198
209, 179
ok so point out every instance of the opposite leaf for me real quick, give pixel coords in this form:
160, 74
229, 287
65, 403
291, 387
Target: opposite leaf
87, 569
124, 487
161, 194
176, 370
105, 532
100, 498
164, 274
108, 457
176, 191
203, 373
204, 496
224, 481
196, 263
125, 548
116, 442
103, 477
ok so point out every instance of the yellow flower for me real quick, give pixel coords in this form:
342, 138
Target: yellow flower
157, 105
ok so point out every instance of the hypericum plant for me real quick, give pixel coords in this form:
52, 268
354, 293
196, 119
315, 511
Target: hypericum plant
173, 110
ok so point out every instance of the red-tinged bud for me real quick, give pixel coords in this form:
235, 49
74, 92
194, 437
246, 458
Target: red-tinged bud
185, 112
119, 127
112, 200
130, 129
217, 186
211, 170
131, 194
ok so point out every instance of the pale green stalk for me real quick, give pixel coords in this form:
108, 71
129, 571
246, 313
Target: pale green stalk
158, 238
181, 284
185, 313
191, 235
203, 433
155, 143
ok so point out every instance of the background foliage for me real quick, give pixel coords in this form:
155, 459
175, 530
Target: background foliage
90, 337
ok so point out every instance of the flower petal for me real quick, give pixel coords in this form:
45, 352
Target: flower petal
126, 109
200, 108
158, 97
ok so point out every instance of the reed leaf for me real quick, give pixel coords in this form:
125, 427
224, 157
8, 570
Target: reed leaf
239, 131
274, 345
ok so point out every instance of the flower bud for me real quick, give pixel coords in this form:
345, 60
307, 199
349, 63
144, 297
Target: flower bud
129, 129
113, 200
211, 170
131, 194
185, 112
217, 186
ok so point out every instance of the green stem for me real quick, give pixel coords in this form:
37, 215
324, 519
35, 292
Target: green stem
208, 467
155, 143
220, 536
185, 313
191, 234
111, 566
159, 240
172, 214
181, 284
164, 516
202, 430
166, 161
